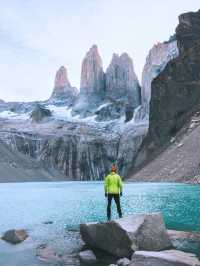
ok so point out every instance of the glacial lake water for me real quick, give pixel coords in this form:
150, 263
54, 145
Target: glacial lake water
67, 204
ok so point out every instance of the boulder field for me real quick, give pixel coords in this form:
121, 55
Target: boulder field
138, 240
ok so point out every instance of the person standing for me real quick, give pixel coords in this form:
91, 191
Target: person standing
113, 190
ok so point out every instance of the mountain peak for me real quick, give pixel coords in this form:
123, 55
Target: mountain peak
92, 75
61, 79
62, 86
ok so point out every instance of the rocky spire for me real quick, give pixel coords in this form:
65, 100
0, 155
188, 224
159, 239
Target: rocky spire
121, 80
92, 75
62, 86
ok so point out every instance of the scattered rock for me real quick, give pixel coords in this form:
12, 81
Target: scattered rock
123, 262
172, 140
164, 258
48, 222
15, 236
180, 145
122, 237
47, 254
87, 256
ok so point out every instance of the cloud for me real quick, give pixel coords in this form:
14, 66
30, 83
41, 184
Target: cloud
36, 37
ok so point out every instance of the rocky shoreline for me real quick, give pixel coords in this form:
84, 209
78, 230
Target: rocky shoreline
131, 241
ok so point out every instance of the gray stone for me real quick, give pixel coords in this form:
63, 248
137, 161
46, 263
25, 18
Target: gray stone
123, 262
15, 236
164, 258
124, 236
87, 256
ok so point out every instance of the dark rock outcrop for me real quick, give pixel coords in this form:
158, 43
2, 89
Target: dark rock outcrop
15, 236
124, 236
39, 113
176, 91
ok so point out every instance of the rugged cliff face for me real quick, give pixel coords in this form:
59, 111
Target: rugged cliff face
79, 151
175, 92
92, 75
92, 87
156, 61
121, 80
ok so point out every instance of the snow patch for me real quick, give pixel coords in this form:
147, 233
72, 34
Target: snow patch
13, 115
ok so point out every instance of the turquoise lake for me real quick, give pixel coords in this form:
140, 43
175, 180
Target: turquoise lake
68, 204
52, 212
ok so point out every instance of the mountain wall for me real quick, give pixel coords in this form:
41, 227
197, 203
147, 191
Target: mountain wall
175, 93
79, 151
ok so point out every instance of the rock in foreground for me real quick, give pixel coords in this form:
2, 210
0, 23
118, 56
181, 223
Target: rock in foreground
87, 257
124, 236
164, 258
15, 236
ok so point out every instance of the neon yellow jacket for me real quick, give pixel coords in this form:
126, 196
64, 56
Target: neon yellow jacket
113, 183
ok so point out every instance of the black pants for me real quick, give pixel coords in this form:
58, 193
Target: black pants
117, 202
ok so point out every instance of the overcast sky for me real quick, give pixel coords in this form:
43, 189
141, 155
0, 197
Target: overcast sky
38, 36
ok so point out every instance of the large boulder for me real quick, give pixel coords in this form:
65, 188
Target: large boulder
124, 236
15, 236
164, 258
